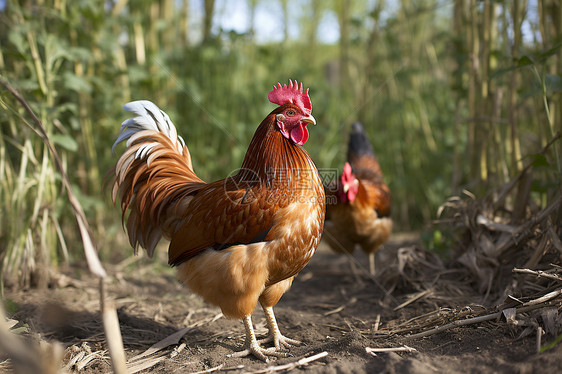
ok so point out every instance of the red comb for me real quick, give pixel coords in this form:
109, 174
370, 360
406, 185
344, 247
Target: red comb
347, 174
291, 94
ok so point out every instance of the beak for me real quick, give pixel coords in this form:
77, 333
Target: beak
345, 188
309, 119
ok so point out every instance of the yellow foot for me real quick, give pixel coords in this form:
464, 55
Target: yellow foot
275, 336
259, 352
253, 347
281, 341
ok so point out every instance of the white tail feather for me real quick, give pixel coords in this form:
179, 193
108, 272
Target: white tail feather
149, 117
152, 195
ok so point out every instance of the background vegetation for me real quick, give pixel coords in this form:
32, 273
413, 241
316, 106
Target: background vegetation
456, 94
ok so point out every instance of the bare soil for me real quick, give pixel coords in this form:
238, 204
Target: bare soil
330, 308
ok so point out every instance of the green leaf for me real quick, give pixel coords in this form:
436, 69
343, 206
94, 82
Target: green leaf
88, 202
539, 160
10, 306
55, 50
79, 53
527, 60
524, 61
549, 52
553, 83
551, 344
66, 141
18, 40
68, 108
137, 74
537, 186
520, 63
75, 83
498, 73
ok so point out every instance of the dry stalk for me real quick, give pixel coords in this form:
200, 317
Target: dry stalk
178, 350
463, 322
433, 312
144, 364
543, 299
292, 365
512, 183
112, 332
166, 342
413, 298
494, 226
216, 368
404, 348
540, 333
538, 273
524, 231
555, 239
341, 307
377, 323
538, 253
23, 359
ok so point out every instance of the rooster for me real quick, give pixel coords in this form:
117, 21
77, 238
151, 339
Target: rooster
358, 212
238, 240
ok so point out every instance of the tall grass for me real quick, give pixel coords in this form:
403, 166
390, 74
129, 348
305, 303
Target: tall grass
34, 234
22, 360
30, 215
453, 96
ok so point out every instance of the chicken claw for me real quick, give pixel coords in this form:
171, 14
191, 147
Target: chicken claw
254, 347
280, 341
260, 352
275, 335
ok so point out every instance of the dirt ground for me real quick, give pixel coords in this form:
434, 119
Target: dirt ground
330, 308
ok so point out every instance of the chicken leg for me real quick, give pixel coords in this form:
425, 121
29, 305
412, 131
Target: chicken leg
275, 336
252, 345
372, 263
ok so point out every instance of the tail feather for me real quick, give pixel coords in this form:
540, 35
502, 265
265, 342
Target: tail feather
154, 177
150, 117
361, 156
359, 145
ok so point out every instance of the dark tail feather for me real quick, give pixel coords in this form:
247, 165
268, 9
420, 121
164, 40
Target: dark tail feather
359, 144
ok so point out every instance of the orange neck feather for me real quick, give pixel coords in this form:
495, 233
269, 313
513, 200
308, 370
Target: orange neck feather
272, 157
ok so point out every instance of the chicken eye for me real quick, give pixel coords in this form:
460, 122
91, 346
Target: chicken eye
290, 113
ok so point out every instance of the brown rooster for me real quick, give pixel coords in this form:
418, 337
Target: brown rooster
358, 209
238, 240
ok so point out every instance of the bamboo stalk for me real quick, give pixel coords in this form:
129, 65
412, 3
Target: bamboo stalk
472, 43
516, 162
184, 22
37, 63
208, 19
140, 48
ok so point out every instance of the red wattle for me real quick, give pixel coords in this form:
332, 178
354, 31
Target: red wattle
299, 134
